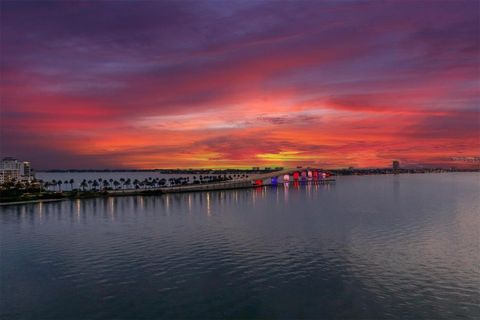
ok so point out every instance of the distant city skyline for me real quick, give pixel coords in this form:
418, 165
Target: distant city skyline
225, 84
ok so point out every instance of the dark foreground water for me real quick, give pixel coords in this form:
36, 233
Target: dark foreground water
378, 247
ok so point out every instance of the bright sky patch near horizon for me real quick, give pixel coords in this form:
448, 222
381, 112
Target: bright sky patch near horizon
179, 84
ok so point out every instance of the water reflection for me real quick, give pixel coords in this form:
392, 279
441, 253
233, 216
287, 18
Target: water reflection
110, 207
309, 190
286, 186
209, 209
189, 203
396, 186
40, 210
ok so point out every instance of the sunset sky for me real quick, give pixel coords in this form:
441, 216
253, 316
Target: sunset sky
181, 84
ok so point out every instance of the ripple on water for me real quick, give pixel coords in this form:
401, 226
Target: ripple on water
369, 247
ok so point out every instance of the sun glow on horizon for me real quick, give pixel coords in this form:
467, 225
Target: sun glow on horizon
211, 93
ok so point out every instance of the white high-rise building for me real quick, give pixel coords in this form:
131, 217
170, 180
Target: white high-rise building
13, 170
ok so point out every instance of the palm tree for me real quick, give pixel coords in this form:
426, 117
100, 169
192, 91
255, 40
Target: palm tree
71, 183
59, 185
116, 184
84, 184
105, 184
95, 184
122, 181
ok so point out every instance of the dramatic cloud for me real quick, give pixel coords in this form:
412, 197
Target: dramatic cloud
155, 84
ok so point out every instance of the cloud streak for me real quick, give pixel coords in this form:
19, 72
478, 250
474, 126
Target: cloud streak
221, 84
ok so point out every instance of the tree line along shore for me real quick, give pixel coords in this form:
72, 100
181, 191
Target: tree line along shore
56, 189
20, 191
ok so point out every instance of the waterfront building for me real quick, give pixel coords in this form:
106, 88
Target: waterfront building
396, 165
13, 170
9, 170
25, 170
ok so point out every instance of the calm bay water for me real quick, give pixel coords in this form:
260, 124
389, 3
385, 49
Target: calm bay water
404, 246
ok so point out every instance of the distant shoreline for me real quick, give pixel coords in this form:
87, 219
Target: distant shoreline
60, 196
51, 196
253, 171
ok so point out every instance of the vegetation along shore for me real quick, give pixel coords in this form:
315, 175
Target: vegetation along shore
15, 192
